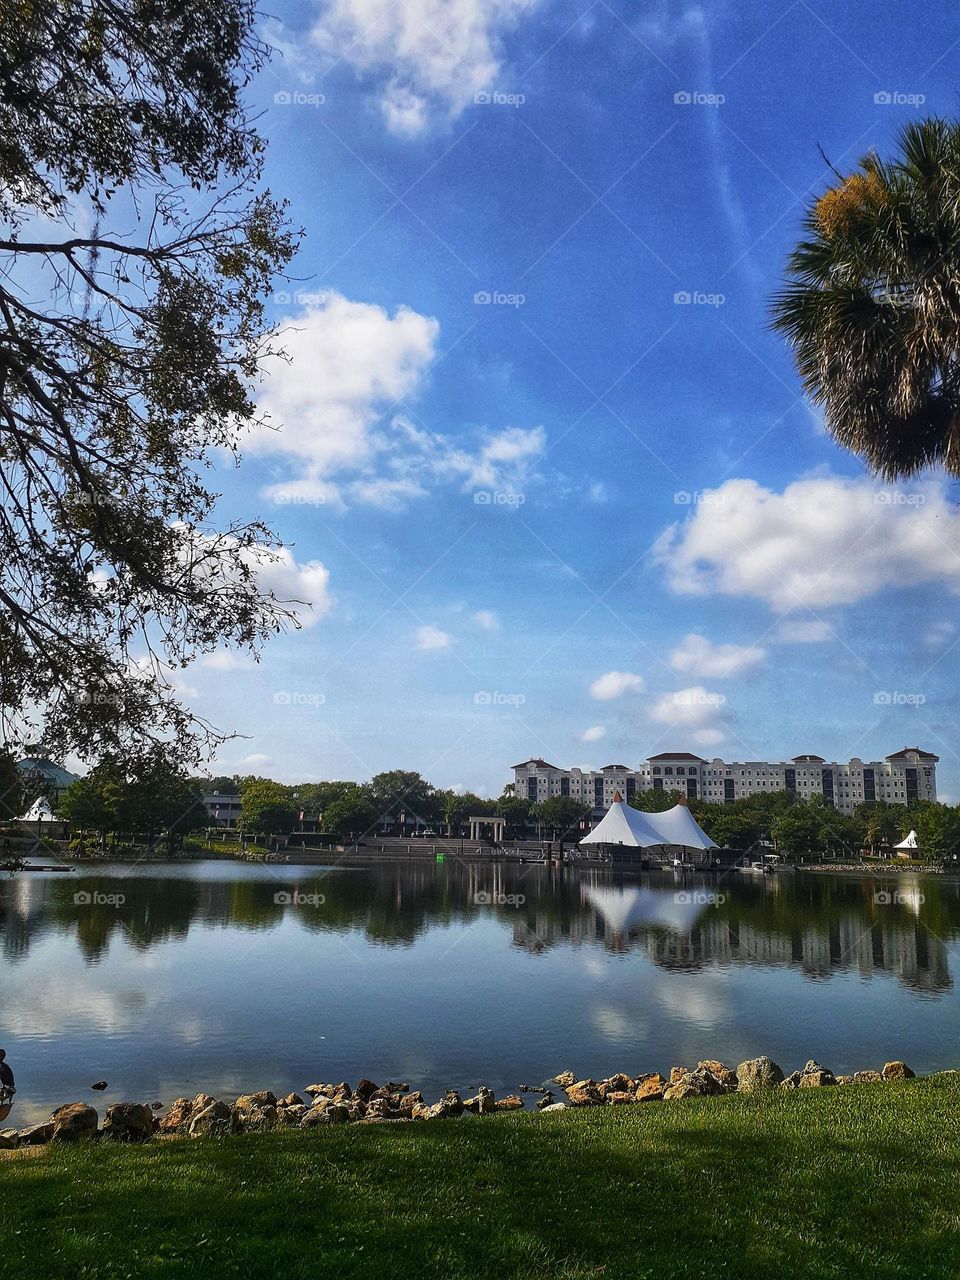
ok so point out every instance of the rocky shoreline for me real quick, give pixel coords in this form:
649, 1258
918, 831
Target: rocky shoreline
395, 1102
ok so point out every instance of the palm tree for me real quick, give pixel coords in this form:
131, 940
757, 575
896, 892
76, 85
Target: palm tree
872, 304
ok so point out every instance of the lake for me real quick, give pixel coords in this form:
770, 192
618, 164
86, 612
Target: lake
225, 977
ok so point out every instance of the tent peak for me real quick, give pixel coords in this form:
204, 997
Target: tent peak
617, 798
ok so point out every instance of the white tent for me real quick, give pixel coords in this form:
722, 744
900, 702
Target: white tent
39, 811
626, 909
624, 825
909, 842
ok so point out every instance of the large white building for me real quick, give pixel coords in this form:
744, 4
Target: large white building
910, 774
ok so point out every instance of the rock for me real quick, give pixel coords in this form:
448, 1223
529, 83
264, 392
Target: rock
100, 1086
319, 1090
554, 1106
156, 1106
816, 1079
721, 1072
867, 1077
546, 1101
694, 1084
844, 1079
128, 1122
420, 1111
212, 1121
650, 1088
409, 1100
291, 1100
564, 1079
483, 1104
449, 1107
619, 1083
677, 1074
758, 1073
365, 1089
292, 1115
380, 1109
341, 1091
76, 1122
35, 1135
512, 1102
897, 1071
254, 1112
183, 1110
397, 1086
584, 1093
617, 1097
790, 1082
8, 1139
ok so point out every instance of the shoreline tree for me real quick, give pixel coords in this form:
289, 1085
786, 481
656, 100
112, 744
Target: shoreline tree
132, 206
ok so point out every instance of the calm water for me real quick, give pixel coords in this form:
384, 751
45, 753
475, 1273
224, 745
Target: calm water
201, 979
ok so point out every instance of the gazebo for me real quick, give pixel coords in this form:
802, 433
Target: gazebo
907, 846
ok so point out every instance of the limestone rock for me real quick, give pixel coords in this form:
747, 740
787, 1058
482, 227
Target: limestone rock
76, 1122
720, 1072
897, 1071
867, 1077
35, 1135
512, 1102
484, 1104
128, 1122
212, 1121
254, 1112
844, 1079
554, 1106
292, 1115
677, 1074
546, 1101
816, 1079
584, 1093
694, 1084
650, 1087
291, 1100
365, 1089
791, 1081
617, 1097
758, 1073
409, 1100
564, 1079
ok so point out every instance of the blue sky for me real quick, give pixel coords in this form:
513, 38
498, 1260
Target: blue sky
546, 475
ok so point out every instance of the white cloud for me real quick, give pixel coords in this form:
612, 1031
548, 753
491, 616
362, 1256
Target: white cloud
430, 638
332, 404
304, 588
486, 620
593, 734
346, 363
613, 684
939, 634
429, 58
257, 760
802, 631
702, 715
822, 541
226, 660
697, 656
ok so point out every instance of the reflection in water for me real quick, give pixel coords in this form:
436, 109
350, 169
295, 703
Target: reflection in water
199, 976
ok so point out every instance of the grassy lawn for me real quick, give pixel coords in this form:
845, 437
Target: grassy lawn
859, 1180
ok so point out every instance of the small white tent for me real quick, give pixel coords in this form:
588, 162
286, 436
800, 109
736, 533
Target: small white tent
626, 909
624, 825
908, 844
39, 811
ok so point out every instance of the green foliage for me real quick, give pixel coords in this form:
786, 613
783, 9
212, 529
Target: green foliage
11, 787
561, 816
147, 801
353, 813
267, 806
129, 353
871, 307
399, 789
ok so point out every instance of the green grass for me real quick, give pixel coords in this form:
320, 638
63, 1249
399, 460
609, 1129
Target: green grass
844, 1182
